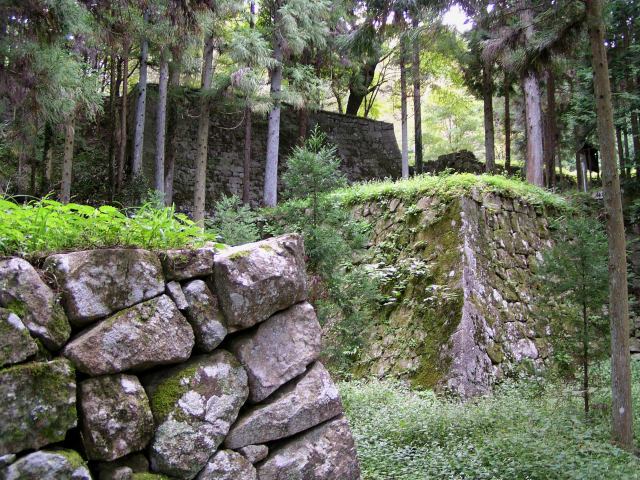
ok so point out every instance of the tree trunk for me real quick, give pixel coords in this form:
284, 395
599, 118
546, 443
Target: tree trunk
138, 134
302, 126
246, 160
417, 109
533, 113
113, 125
579, 172
47, 160
507, 125
172, 123
622, 413
403, 108
360, 87
620, 151
123, 121
552, 128
200, 189
489, 138
67, 160
635, 135
627, 156
270, 195
161, 116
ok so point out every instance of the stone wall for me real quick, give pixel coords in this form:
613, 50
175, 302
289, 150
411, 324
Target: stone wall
460, 291
175, 364
368, 148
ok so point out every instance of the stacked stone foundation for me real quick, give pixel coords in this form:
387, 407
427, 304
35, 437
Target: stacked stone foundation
195, 363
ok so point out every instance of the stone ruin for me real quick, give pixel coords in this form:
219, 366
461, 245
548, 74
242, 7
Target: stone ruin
463, 161
186, 363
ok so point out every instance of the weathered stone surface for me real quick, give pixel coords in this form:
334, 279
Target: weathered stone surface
294, 335
7, 459
38, 404
16, 345
44, 465
228, 465
96, 283
194, 405
174, 290
304, 403
326, 451
116, 473
124, 467
24, 293
143, 336
185, 263
254, 453
116, 417
204, 315
255, 280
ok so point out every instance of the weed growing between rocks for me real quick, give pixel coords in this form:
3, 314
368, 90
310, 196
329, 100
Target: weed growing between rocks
528, 429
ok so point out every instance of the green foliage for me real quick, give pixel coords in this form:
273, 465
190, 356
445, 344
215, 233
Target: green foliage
574, 276
233, 222
525, 430
48, 226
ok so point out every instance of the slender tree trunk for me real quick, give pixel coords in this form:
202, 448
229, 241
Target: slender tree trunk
489, 138
579, 171
507, 125
246, 160
552, 126
113, 125
403, 108
47, 160
200, 190
635, 135
161, 116
270, 195
417, 109
620, 151
67, 160
585, 357
172, 123
622, 412
122, 154
138, 135
627, 156
359, 90
533, 113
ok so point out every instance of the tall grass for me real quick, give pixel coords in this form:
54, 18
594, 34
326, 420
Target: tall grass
526, 430
46, 226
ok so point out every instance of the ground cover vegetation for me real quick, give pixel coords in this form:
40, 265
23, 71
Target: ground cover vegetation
550, 68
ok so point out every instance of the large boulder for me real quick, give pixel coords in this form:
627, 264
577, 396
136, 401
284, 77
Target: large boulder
53, 465
279, 349
326, 451
255, 280
149, 334
194, 405
116, 417
228, 465
16, 345
304, 403
185, 263
39, 404
96, 283
204, 315
24, 293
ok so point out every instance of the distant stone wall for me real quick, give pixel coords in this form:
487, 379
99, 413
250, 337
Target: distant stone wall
368, 148
181, 363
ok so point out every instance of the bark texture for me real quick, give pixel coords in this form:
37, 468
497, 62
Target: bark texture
67, 160
138, 135
621, 418
417, 109
403, 108
489, 137
200, 189
161, 116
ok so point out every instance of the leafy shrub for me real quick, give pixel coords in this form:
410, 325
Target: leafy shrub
233, 222
526, 430
46, 226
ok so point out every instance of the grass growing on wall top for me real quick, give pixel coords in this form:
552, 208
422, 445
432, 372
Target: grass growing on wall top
48, 226
449, 186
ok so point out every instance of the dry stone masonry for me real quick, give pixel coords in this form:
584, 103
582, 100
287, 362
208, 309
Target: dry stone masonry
178, 364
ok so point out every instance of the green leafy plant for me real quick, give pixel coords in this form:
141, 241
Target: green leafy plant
574, 276
234, 223
46, 226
